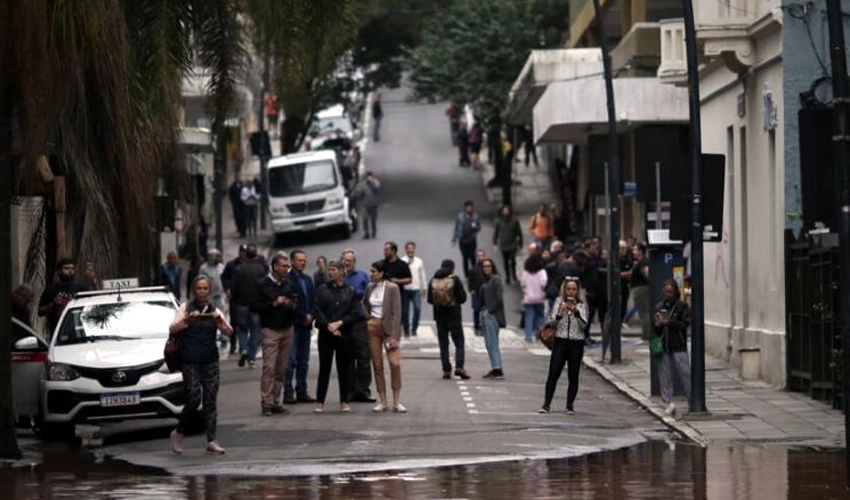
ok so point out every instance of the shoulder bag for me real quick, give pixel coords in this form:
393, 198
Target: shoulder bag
546, 334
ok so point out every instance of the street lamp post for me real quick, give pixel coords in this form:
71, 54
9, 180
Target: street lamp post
697, 400
613, 188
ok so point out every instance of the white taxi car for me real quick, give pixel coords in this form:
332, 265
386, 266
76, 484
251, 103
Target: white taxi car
105, 360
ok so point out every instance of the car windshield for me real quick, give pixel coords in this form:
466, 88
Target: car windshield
116, 321
329, 125
300, 178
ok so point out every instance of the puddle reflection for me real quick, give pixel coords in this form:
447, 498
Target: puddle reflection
650, 470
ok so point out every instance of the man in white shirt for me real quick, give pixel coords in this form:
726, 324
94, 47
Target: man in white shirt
412, 293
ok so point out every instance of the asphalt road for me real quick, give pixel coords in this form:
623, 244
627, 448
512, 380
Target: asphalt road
449, 421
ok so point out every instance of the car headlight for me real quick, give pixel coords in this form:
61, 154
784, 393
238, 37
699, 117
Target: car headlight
334, 202
62, 372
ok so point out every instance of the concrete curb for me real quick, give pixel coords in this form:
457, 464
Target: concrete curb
678, 426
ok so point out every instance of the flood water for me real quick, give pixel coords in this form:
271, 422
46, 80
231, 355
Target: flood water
658, 469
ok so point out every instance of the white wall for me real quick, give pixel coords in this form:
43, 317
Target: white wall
744, 275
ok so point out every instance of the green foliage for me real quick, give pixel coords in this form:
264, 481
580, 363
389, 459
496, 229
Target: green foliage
473, 51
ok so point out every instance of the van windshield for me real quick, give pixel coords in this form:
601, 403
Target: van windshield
300, 178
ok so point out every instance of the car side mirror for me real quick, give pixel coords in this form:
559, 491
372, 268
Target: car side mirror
27, 344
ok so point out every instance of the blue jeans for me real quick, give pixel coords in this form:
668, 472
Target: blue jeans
248, 331
534, 318
491, 339
409, 297
299, 359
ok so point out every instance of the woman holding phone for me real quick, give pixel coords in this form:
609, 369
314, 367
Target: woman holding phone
382, 303
198, 322
569, 317
670, 322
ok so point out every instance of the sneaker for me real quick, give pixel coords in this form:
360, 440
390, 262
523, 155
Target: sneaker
447, 375
399, 408
570, 411
267, 412
289, 400
319, 408
460, 372
498, 373
215, 448
243, 357
489, 374
252, 364
279, 410
305, 398
176, 442
671, 410
345, 408
380, 407
543, 409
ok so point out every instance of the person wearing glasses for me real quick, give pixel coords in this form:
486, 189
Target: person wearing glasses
569, 317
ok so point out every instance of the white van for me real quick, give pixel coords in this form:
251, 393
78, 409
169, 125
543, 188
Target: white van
307, 193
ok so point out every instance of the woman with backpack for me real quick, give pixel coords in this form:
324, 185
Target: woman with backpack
446, 294
492, 315
568, 317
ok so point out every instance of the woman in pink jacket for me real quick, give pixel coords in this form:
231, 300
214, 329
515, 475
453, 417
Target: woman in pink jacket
533, 282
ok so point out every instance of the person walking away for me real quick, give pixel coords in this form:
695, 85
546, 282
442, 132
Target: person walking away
541, 227
377, 116
463, 143
568, 317
533, 282
234, 193
279, 311
250, 202
335, 310
227, 284
453, 113
382, 303
446, 294
528, 142
593, 279
507, 238
492, 316
465, 234
367, 197
56, 295
244, 294
640, 290
361, 361
411, 294
197, 322
626, 263
476, 139
170, 273
320, 277
299, 357
670, 322
474, 281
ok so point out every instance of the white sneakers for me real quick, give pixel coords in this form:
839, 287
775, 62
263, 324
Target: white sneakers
671, 409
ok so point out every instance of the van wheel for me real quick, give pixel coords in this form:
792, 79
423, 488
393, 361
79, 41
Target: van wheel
346, 231
277, 240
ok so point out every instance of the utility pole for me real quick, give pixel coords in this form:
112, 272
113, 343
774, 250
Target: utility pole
219, 172
841, 144
697, 400
613, 187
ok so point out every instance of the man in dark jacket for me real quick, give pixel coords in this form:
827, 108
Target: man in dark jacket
277, 306
447, 315
245, 293
226, 280
475, 280
299, 357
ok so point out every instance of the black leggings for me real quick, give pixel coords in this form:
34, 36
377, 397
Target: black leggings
510, 265
328, 344
569, 352
200, 381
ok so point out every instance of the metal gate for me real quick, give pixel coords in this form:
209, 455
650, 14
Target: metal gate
813, 334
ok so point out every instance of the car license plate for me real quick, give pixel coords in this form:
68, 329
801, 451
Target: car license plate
120, 399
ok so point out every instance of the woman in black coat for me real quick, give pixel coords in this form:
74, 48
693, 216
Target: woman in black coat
670, 322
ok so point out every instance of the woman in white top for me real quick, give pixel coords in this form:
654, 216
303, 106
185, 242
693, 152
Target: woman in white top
411, 294
569, 317
251, 199
382, 303
533, 282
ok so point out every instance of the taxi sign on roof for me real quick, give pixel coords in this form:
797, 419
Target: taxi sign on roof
122, 283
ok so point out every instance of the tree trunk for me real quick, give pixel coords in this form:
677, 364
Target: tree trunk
8, 438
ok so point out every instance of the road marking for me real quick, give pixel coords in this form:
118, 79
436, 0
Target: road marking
470, 405
467, 398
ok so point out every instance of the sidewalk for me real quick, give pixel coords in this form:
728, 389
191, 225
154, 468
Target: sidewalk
738, 410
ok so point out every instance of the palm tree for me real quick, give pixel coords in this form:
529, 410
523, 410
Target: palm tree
95, 86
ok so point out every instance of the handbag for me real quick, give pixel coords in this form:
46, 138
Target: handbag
656, 347
172, 351
546, 334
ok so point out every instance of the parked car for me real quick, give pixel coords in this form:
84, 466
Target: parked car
105, 360
29, 355
334, 121
307, 193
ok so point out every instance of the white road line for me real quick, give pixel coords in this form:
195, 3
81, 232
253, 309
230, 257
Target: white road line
470, 405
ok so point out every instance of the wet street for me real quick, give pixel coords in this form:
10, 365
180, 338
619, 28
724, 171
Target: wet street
461, 439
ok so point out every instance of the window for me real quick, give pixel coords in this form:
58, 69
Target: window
116, 321
302, 178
